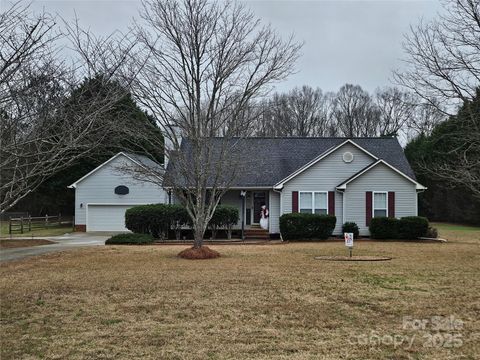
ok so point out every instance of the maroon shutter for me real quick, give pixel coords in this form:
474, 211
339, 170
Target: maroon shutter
295, 201
331, 202
368, 207
391, 204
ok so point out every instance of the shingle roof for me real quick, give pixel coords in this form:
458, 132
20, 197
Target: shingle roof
146, 161
266, 161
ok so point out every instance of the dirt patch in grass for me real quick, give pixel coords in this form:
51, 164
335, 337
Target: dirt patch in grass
201, 253
10, 244
259, 302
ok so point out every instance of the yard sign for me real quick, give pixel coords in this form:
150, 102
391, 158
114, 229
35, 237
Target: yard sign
349, 241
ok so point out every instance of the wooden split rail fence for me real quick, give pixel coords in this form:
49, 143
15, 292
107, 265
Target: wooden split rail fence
29, 223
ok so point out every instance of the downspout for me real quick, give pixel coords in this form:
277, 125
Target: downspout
416, 200
343, 204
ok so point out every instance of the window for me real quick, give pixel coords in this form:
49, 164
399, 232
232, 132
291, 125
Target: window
306, 202
379, 204
313, 202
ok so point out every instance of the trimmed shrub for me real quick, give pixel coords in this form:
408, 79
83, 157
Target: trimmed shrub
384, 228
178, 218
409, 228
432, 233
130, 239
225, 216
351, 227
156, 219
298, 226
412, 227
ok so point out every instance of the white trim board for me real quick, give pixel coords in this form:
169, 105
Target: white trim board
280, 184
343, 186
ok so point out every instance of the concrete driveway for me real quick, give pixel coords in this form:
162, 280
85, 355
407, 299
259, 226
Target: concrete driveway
63, 242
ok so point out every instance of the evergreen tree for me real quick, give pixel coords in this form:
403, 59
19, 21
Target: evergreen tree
53, 196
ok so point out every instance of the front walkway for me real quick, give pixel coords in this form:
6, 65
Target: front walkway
63, 242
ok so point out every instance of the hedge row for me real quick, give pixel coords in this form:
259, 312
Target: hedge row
225, 217
299, 226
159, 219
408, 228
156, 219
130, 239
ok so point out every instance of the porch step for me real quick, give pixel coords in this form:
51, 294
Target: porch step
256, 234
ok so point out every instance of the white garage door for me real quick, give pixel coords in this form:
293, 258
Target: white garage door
106, 217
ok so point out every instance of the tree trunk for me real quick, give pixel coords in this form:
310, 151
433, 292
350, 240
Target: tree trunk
198, 232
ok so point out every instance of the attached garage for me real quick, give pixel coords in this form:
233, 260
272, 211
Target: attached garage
103, 195
106, 217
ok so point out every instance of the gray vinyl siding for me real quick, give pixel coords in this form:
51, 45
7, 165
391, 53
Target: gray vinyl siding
98, 188
325, 176
380, 178
232, 198
274, 211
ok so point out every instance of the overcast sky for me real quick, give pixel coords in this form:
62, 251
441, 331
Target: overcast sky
345, 41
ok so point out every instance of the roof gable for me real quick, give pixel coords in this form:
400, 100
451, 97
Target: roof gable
139, 160
279, 185
344, 184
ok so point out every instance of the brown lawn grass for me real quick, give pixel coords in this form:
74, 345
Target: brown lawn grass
253, 302
10, 244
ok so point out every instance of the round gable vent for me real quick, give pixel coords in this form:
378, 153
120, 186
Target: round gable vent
348, 157
121, 190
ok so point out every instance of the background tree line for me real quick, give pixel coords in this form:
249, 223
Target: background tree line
349, 112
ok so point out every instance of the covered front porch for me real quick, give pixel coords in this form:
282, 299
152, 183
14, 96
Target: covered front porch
249, 203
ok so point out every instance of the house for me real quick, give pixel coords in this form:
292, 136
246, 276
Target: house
104, 194
353, 178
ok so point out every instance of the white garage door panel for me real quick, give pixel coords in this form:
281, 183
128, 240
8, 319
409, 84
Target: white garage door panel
106, 217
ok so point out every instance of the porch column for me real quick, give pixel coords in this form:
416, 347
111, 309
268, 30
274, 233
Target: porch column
243, 194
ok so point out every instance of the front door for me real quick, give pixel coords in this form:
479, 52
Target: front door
259, 199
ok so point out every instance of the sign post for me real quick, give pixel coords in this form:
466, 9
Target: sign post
349, 241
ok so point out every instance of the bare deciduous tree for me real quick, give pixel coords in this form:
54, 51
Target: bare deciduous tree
46, 122
396, 109
424, 119
300, 112
202, 63
443, 56
354, 112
